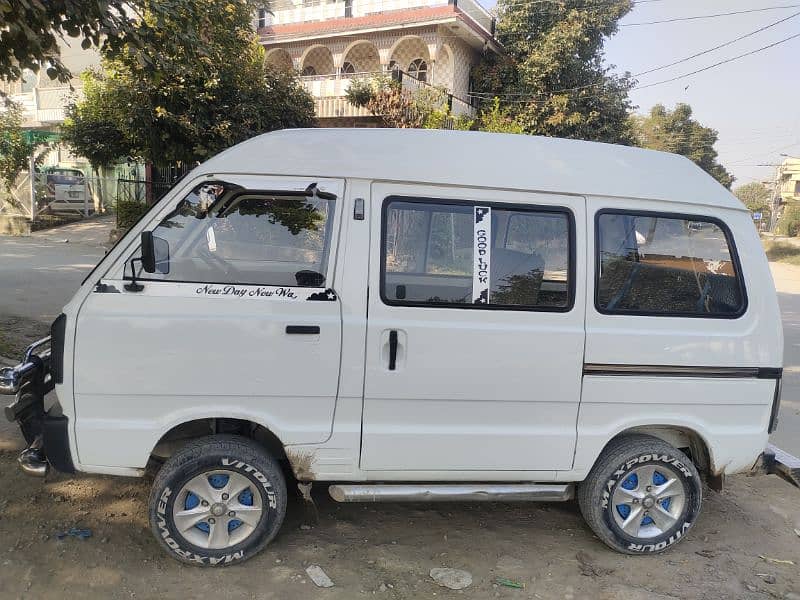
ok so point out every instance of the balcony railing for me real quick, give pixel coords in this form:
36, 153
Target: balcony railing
329, 93
43, 105
320, 10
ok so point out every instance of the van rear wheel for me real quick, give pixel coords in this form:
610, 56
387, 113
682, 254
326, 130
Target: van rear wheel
217, 501
642, 496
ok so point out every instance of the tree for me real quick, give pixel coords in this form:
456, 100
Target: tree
30, 30
498, 120
423, 108
92, 126
755, 196
181, 107
676, 131
15, 148
553, 80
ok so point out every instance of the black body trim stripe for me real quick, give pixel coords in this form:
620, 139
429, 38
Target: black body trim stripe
680, 371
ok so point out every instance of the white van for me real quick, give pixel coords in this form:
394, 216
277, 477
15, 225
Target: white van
417, 315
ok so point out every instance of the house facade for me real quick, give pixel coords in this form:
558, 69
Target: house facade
332, 42
789, 180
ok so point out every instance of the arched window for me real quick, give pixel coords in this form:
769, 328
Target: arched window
348, 68
418, 69
309, 71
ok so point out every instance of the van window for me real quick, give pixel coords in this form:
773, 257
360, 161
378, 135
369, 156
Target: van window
446, 253
668, 265
221, 233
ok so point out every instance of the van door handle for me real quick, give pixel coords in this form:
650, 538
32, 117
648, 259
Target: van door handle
302, 329
392, 350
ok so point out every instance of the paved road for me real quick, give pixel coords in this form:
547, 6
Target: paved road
39, 274
787, 281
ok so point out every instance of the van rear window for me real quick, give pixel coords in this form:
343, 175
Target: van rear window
447, 253
666, 265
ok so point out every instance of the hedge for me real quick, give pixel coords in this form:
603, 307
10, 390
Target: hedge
128, 212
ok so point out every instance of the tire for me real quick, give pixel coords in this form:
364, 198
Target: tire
619, 478
233, 477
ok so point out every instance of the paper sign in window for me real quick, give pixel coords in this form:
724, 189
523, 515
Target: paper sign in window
482, 254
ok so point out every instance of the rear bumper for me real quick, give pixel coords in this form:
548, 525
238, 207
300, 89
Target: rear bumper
777, 462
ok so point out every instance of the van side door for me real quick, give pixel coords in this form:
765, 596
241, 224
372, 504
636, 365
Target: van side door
475, 332
240, 320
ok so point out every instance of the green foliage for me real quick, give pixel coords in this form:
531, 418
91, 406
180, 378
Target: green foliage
362, 90
425, 108
553, 80
128, 212
15, 150
498, 120
676, 131
92, 126
755, 196
183, 104
30, 31
789, 223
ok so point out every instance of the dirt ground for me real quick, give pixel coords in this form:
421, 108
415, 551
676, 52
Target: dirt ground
387, 550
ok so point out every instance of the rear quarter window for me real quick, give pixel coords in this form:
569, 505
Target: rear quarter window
666, 265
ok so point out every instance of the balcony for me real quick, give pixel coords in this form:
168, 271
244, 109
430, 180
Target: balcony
43, 106
329, 94
304, 11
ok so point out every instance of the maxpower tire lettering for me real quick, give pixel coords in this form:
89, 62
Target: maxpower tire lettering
218, 456
642, 496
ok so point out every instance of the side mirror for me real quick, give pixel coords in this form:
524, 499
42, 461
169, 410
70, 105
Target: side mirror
155, 257
148, 252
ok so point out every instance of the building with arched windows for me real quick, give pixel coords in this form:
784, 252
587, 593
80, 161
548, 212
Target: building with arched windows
329, 43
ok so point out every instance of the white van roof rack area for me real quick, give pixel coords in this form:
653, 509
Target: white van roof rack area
476, 159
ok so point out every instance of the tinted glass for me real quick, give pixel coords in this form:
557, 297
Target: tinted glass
666, 266
438, 254
221, 233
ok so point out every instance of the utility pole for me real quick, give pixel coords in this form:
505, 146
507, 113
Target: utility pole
776, 199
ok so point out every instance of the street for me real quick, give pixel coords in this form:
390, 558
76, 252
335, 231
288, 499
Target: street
40, 273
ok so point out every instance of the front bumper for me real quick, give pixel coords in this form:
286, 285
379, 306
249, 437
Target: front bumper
46, 433
36, 362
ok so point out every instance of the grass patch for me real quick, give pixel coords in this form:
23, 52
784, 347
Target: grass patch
783, 252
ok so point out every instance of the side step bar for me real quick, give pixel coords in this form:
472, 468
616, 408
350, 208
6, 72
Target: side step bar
782, 464
469, 492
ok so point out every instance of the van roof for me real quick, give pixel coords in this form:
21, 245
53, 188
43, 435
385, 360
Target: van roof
476, 159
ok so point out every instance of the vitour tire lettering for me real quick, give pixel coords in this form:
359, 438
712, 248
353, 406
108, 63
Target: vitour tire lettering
239, 460
638, 466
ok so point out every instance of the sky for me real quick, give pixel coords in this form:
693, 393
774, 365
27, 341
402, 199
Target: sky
754, 102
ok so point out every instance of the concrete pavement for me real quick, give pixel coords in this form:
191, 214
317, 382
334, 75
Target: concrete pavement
39, 274
787, 282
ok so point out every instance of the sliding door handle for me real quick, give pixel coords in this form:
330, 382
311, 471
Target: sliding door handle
392, 350
302, 329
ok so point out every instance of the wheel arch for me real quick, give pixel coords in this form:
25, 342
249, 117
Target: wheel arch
181, 433
682, 437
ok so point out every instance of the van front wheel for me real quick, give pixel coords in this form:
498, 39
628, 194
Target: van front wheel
642, 496
217, 501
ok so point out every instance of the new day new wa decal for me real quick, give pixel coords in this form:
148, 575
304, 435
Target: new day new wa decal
241, 292
482, 254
